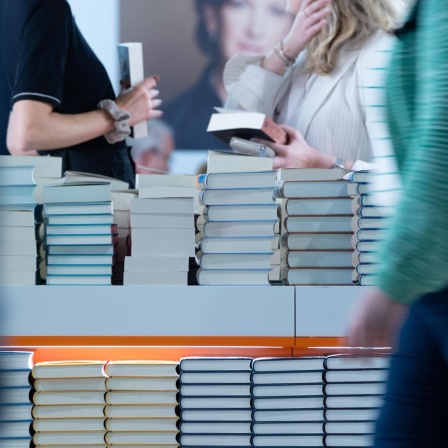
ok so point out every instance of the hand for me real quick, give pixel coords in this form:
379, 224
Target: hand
141, 101
376, 321
297, 153
309, 21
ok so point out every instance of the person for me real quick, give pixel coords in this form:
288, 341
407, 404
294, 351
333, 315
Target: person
412, 281
151, 154
313, 81
225, 28
62, 100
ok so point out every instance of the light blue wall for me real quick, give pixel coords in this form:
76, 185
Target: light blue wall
99, 22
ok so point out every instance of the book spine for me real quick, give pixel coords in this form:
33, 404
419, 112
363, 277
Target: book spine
201, 182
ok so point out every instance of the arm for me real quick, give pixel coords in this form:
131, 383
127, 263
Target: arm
34, 125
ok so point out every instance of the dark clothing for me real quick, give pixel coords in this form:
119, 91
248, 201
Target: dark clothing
44, 57
415, 410
189, 114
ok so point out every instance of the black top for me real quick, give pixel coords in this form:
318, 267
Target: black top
44, 57
189, 114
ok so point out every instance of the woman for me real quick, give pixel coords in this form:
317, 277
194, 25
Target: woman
62, 101
316, 81
225, 28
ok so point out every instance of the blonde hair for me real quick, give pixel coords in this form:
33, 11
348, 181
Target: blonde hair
350, 20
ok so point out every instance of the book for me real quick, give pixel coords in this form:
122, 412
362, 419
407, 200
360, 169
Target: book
165, 278
215, 377
143, 383
358, 362
260, 212
161, 425
16, 175
44, 166
355, 376
67, 280
317, 276
84, 250
139, 234
288, 364
68, 369
81, 410
140, 411
65, 397
254, 245
75, 270
16, 412
237, 196
317, 224
233, 261
318, 259
240, 180
10, 379
156, 263
141, 397
141, 368
285, 403
286, 440
369, 223
338, 415
360, 427
81, 240
214, 390
209, 440
164, 206
217, 428
71, 384
167, 192
288, 377
13, 361
18, 196
81, 229
162, 248
67, 425
220, 162
76, 192
12, 430
246, 125
239, 229
347, 440
79, 176
213, 415
318, 206
69, 438
80, 220
15, 396
312, 189
91, 208
289, 428
354, 402
242, 277
342, 389
211, 364
214, 403
165, 180
77, 260
289, 415
317, 241
130, 60
287, 390
311, 174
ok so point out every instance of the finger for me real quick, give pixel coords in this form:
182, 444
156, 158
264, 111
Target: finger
313, 6
278, 163
150, 82
155, 103
317, 28
153, 93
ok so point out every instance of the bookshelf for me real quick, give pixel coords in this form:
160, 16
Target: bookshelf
173, 321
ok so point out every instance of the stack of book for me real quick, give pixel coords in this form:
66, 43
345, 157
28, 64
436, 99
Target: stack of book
240, 220
142, 403
288, 401
316, 246
215, 402
354, 389
162, 241
80, 233
15, 403
370, 220
69, 403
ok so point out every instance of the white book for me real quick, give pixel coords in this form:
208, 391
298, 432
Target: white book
69, 397
157, 263
117, 397
69, 411
175, 249
16, 412
161, 425
214, 403
289, 415
180, 235
18, 218
215, 377
335, 415
214, 390
23, 278
130, 58
289, 428
15, 396
141, 438
246, 277
290, 441
140, 411
69, 438
348, 440
165, 180
66, 424
69, 280
70, 384
288, 364
350, 427
77, 192
218, 162
234, 261
287, 390
122, 199
142, 368
167, 192
289, 403
207, 364
9, 430
143, 383
44, 166
78, 176
285, 377
162, 221
237, 245
162, 205
215, 427
168, 278
215, 415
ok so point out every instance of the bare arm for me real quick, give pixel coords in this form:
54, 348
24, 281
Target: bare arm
34, 125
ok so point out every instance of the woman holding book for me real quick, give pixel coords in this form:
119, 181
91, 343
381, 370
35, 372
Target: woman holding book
62, 100
315, 81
